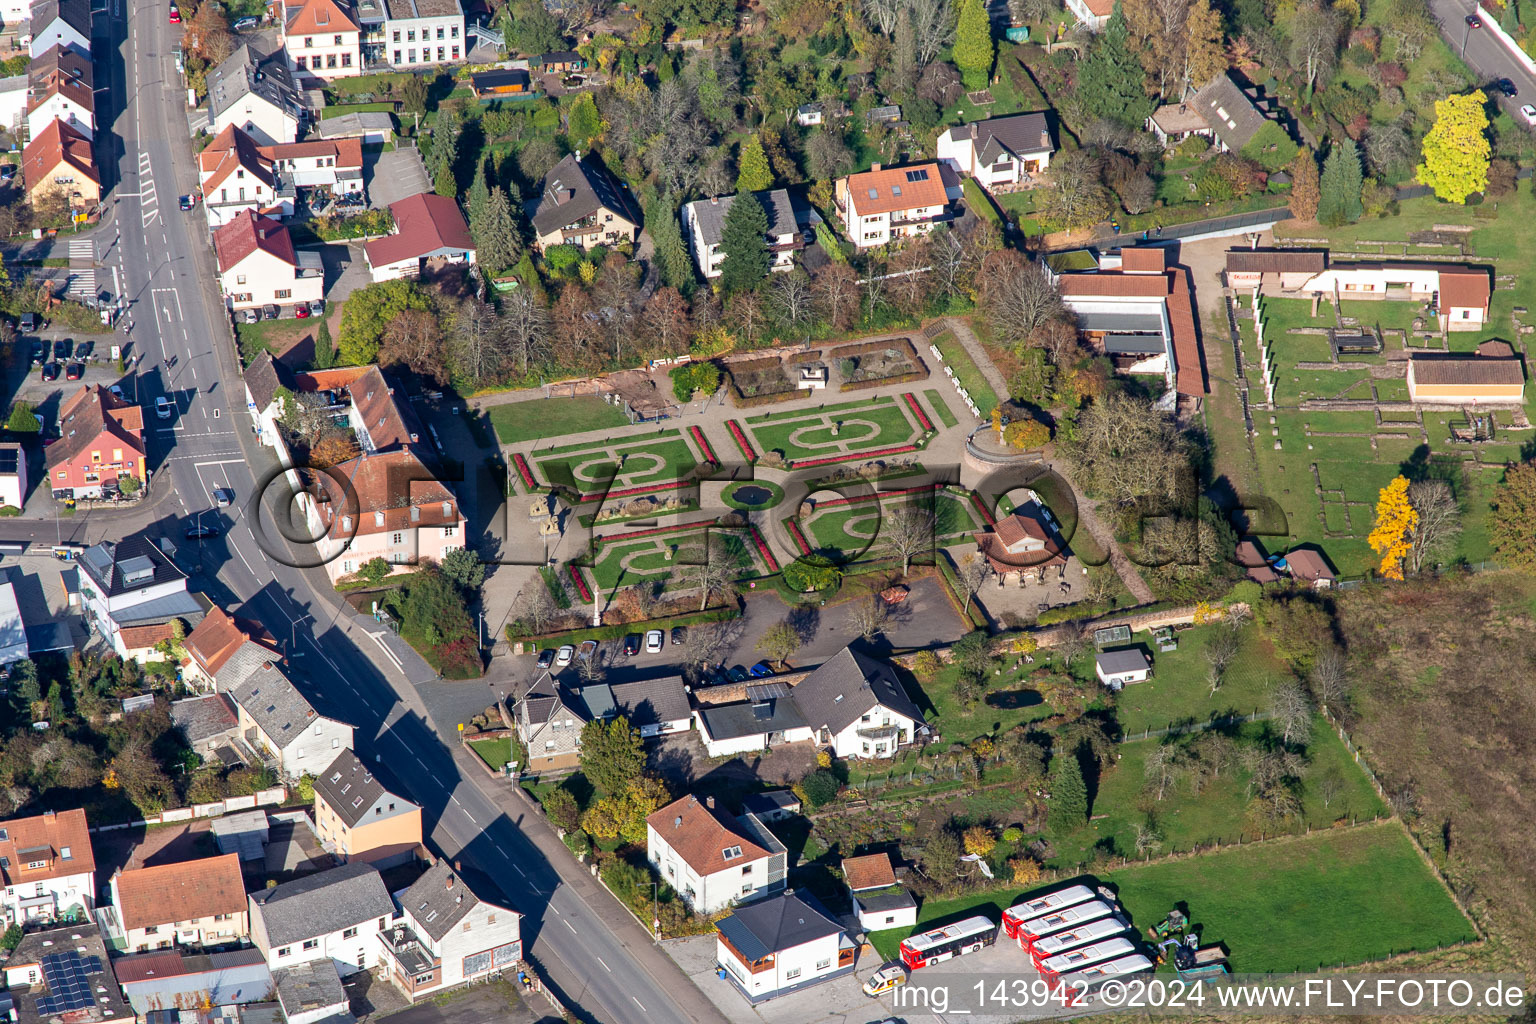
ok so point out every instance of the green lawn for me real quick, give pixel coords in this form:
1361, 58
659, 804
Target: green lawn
493, 752
275, 336
553, 417
850, 532
1334, 897
628, 462
861, 426
965, 369
940, 408
1179, 690
623, 563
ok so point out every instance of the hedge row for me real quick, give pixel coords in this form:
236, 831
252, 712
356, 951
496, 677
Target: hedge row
576, 636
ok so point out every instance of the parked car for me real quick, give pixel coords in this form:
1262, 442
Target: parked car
654, 641
317, 307
117, 392
84, 349
546, 657
564, 656
587, 649
760, 670
632, 644
200, 532
61, 349
29, 322
7, 172
223, 497
1529, 113
175, 15
50, 371
246, 24
38, 351
1506, 87
679, 634
301, 312
163, 407
270, 311
249, 316
186, 202
74, 371
736, 674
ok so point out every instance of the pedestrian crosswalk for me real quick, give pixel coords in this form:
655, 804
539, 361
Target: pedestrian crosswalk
82, 249
149, 207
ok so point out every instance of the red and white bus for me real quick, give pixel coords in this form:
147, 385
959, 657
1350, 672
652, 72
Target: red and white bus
1061, 942
1038, 905
1077, 984
1074, 961
952, 940
1033, 931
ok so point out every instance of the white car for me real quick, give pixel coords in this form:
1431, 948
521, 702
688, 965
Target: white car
564, 655
653, 642
163, 407
1529, 113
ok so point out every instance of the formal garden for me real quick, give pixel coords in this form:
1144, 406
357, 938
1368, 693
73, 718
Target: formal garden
859, 527
874, 427
636, 462
667, 557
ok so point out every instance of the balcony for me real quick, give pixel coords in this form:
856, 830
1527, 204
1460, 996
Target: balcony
879, 732
406, 950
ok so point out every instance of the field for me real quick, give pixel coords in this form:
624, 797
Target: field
1278, 906
1178, 691
633, 461
849, 428
625, 562
494, 753
553, 417
849, 533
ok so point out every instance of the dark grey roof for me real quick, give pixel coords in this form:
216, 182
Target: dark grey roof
773, 800
1119, 322
261, 1013
1134, 344
847, 686
321, 903
61, 60
310, 987
499, 77
277, 706
438, 900
1277, 261
539, 702
1018, 135
112, 565
709, 214
559, 57
652, 701
1242, 119
263, 377
1122, 659
776, 924
585, 188
204, 718
354, 124
882, 902
595, 700
355, 794
246, 71
74, 13
733, 721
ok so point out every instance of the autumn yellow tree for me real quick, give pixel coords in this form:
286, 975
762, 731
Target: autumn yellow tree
1026, 870
1456, 151
1392, 536
979, 840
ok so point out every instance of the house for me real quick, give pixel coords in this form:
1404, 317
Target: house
131, 583
210, 726
1092, 15
549, 717
429, 232
372, 128
60, 85
704, 225
1234, 118
500, 83
424, 33
1310, 567
562, 62
1464, 296
1274, 269
579, 203
1446, 379
768, 718
311, 993
62, 974
222, 652
773, 805
332, 164
101, 442
999, 150
1172, 123
168, 981
13, 476
385, 505
1256, 565
780, 945
810, 114
58, 162
884, 204
283, 727
1117, 667
445, 935
185, 903
1140, 314
321, 38
360, 821
334, 915
48, 869
549, 724
65, 23
711, 860
14, 97
381, 421
256, 94
878, 902
654, 706
264, 381
1023, 544
258, 265
236, 177
857, 706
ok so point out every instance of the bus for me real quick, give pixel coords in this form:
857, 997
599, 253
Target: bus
1031, 932
1089, 979
952, 940
1083, 957
1031, 908
1061, 942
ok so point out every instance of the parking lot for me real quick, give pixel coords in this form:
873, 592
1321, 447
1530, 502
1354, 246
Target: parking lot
394, 175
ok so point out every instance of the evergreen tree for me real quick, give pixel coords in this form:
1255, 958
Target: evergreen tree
1339, 202
496, 242
325, 347
1305, 191
753, 174
585, 124
1068, 808
744, 241
55, 704
973, 44
445, 183
671, 254
445, 152
1110, 83
479, 192
1509, 21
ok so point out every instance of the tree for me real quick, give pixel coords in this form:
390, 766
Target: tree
1291, 710
909, 531
1305, 188
375, 571
1072, 193
495, 235
1111, 79
1329, 678
753, 173
1314, 34
527, 327
1512, 519
835, 290
369, 310
744, 243
827, 155
585, 124
1017, 297
414, 339
871, 617
709, 569
463, 568
1392, 535
780, 642
1339, 201
560, 808
1438, 522
973, 44
973, 572
1204, 55
1456, 152
671, 254
445, 182
1026, 434
611, 753
1163, 768
22, 420
413, 95
979, 840
333, 449
1068, 809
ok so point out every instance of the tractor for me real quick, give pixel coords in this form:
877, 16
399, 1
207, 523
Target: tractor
1173, 924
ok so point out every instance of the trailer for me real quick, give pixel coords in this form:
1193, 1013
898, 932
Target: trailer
1034, 930
1035, 906
1083, 957
1061, 942
1076, 985
1199, 963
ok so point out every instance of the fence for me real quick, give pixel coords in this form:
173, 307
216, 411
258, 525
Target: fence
274, 797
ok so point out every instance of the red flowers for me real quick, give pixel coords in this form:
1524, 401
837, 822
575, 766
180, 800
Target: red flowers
981, 507
523, 470
793, 525
631, 492
853, 456
859, 498
698, 439
762, 548
581, 584
917, 411
674, 528
741, 440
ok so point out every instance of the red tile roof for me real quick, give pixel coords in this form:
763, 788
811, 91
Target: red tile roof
895, 189
54, 145
1186, 340
1150, 260
137, 638
184, 891
231, 150
872, 871
317, 17
46, 85
215, 640
54, 832
88, 416
700, 835
348, 152
1114, 283
248, 232
423, 224
387, 483
1464, 287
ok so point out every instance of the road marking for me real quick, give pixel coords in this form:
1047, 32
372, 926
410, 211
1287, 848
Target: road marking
378, 638
573, 932
222, 462
641, 1005
605, 966
556, 910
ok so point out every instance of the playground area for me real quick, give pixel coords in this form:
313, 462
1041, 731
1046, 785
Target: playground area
834, 433
652, 459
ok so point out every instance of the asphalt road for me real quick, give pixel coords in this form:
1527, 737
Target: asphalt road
1488, 58
159, 259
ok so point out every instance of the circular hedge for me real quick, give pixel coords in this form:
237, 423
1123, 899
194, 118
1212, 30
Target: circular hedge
775, 495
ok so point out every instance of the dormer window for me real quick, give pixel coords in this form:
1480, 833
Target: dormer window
731, 853
378, 519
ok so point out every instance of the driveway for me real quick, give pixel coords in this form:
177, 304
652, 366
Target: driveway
392, 176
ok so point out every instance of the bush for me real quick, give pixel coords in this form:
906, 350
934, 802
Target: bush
811, 572
375, 571
561, 258
818, 788
926, 665
1026, 434
578, 843
560, 807
21, 420
695, 377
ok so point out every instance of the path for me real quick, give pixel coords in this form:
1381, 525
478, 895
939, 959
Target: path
973, 347
1088, 516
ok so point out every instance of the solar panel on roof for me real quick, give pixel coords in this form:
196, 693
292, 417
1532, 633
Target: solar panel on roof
918, 175
67, 976
767, 691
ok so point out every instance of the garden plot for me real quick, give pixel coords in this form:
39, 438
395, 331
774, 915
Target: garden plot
877, 426
618, 467
662, 556
848, 529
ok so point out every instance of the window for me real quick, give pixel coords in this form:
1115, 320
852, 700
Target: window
330, 60
397, 538
453, 33
731, 852
67, 853
397, 36
747, 870
283, 293
309, 41
466, 926
410, 55
921, 174
152, 929
549, 744
337, 41
284, 951
439, 31
866, 748
410, 35
822, 965
864, 718
239, 279
423, 979
439, 52
791, 975
346, 60
311, 943
455, 53
397, 52
890, 918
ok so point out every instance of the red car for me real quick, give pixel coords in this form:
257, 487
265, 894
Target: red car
301, 312
175, 15
74, 371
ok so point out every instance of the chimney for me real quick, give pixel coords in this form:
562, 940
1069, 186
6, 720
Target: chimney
456, 866
873, 168
449, 885
677, 822
714, 200
709, 802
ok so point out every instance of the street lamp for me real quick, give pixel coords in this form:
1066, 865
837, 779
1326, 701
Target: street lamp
1466, 33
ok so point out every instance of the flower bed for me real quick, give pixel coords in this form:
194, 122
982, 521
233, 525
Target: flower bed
740, 437
981, 507
853, 456
855, 499
698, 439
633, 492
793, 526
674, 528
581, 584
917, 410
762, 549
883, 382
523, 470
